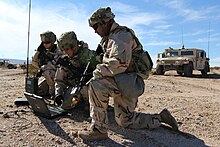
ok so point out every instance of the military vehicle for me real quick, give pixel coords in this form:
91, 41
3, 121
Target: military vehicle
183, 60
7, 64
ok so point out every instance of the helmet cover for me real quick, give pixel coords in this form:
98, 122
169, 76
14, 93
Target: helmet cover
48, 36
67, 40
100, 15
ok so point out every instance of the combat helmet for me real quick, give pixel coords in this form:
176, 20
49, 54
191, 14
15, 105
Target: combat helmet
67, 40
48, 36
100, 15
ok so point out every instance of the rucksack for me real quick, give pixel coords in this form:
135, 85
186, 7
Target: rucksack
141, 61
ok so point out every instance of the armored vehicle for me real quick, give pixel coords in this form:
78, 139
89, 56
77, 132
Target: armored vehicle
183, 60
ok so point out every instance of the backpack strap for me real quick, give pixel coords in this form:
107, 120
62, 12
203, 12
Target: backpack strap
139, 45
141, 61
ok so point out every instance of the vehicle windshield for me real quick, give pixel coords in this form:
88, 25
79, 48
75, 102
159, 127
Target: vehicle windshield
171, 54
185, 53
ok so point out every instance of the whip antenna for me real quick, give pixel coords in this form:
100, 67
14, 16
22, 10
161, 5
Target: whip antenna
23, 101
29, 18
208, 39
182, 34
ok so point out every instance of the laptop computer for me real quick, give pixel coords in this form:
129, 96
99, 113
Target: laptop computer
41, 108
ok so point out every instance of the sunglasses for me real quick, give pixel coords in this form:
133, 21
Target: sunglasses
47, 42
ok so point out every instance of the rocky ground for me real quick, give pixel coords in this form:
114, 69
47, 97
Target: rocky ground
195, 103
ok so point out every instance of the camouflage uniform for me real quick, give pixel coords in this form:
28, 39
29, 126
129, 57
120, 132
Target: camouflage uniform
65, 81
45, 59
112, 79
117, 57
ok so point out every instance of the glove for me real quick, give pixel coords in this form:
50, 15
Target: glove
39, 73
99, 57
99, 50
63, 61
59, 100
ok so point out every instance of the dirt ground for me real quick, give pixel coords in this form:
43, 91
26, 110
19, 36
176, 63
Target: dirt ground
195, 103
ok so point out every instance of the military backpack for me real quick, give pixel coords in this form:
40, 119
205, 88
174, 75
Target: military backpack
141, 61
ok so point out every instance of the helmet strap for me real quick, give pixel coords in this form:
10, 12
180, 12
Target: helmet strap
107, 28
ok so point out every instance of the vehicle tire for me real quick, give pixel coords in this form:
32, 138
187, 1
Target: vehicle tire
179, 73
205, 70
188, 69
159, 70
10, 66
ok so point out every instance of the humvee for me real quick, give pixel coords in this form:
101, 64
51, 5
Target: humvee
6, 63
183, 60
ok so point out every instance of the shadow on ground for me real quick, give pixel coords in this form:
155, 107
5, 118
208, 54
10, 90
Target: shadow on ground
209, 76
54, 128
162, 136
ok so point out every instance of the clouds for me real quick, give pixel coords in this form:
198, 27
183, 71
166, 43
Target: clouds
133, 16
158, 24
14, 22
162, 43
215, 61
11, 27
184, 8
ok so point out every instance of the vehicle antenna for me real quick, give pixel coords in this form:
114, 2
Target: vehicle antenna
29, 17
208, 39
182, 34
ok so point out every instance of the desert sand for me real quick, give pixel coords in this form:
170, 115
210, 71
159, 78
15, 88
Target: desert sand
193, 101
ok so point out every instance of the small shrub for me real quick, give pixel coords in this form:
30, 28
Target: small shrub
32, 70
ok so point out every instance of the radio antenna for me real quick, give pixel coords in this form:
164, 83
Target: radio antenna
182, 34
208, 39
29, 18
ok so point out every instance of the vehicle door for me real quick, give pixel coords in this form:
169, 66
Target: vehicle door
200, 60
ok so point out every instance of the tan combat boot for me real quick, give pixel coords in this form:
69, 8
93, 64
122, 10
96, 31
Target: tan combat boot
167, 118
92, 135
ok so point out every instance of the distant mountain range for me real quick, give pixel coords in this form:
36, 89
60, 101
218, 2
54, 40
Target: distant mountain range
16, 61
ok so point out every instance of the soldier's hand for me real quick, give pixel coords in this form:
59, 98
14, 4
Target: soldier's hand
99, 50
63, 60
59, 100
99, 58
39, 73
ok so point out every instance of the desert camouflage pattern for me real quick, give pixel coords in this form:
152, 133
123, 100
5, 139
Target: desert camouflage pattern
118, 48
48, 36
102, 14
67, 40
48, 67
65, 80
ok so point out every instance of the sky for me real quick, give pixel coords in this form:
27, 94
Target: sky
158, 24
